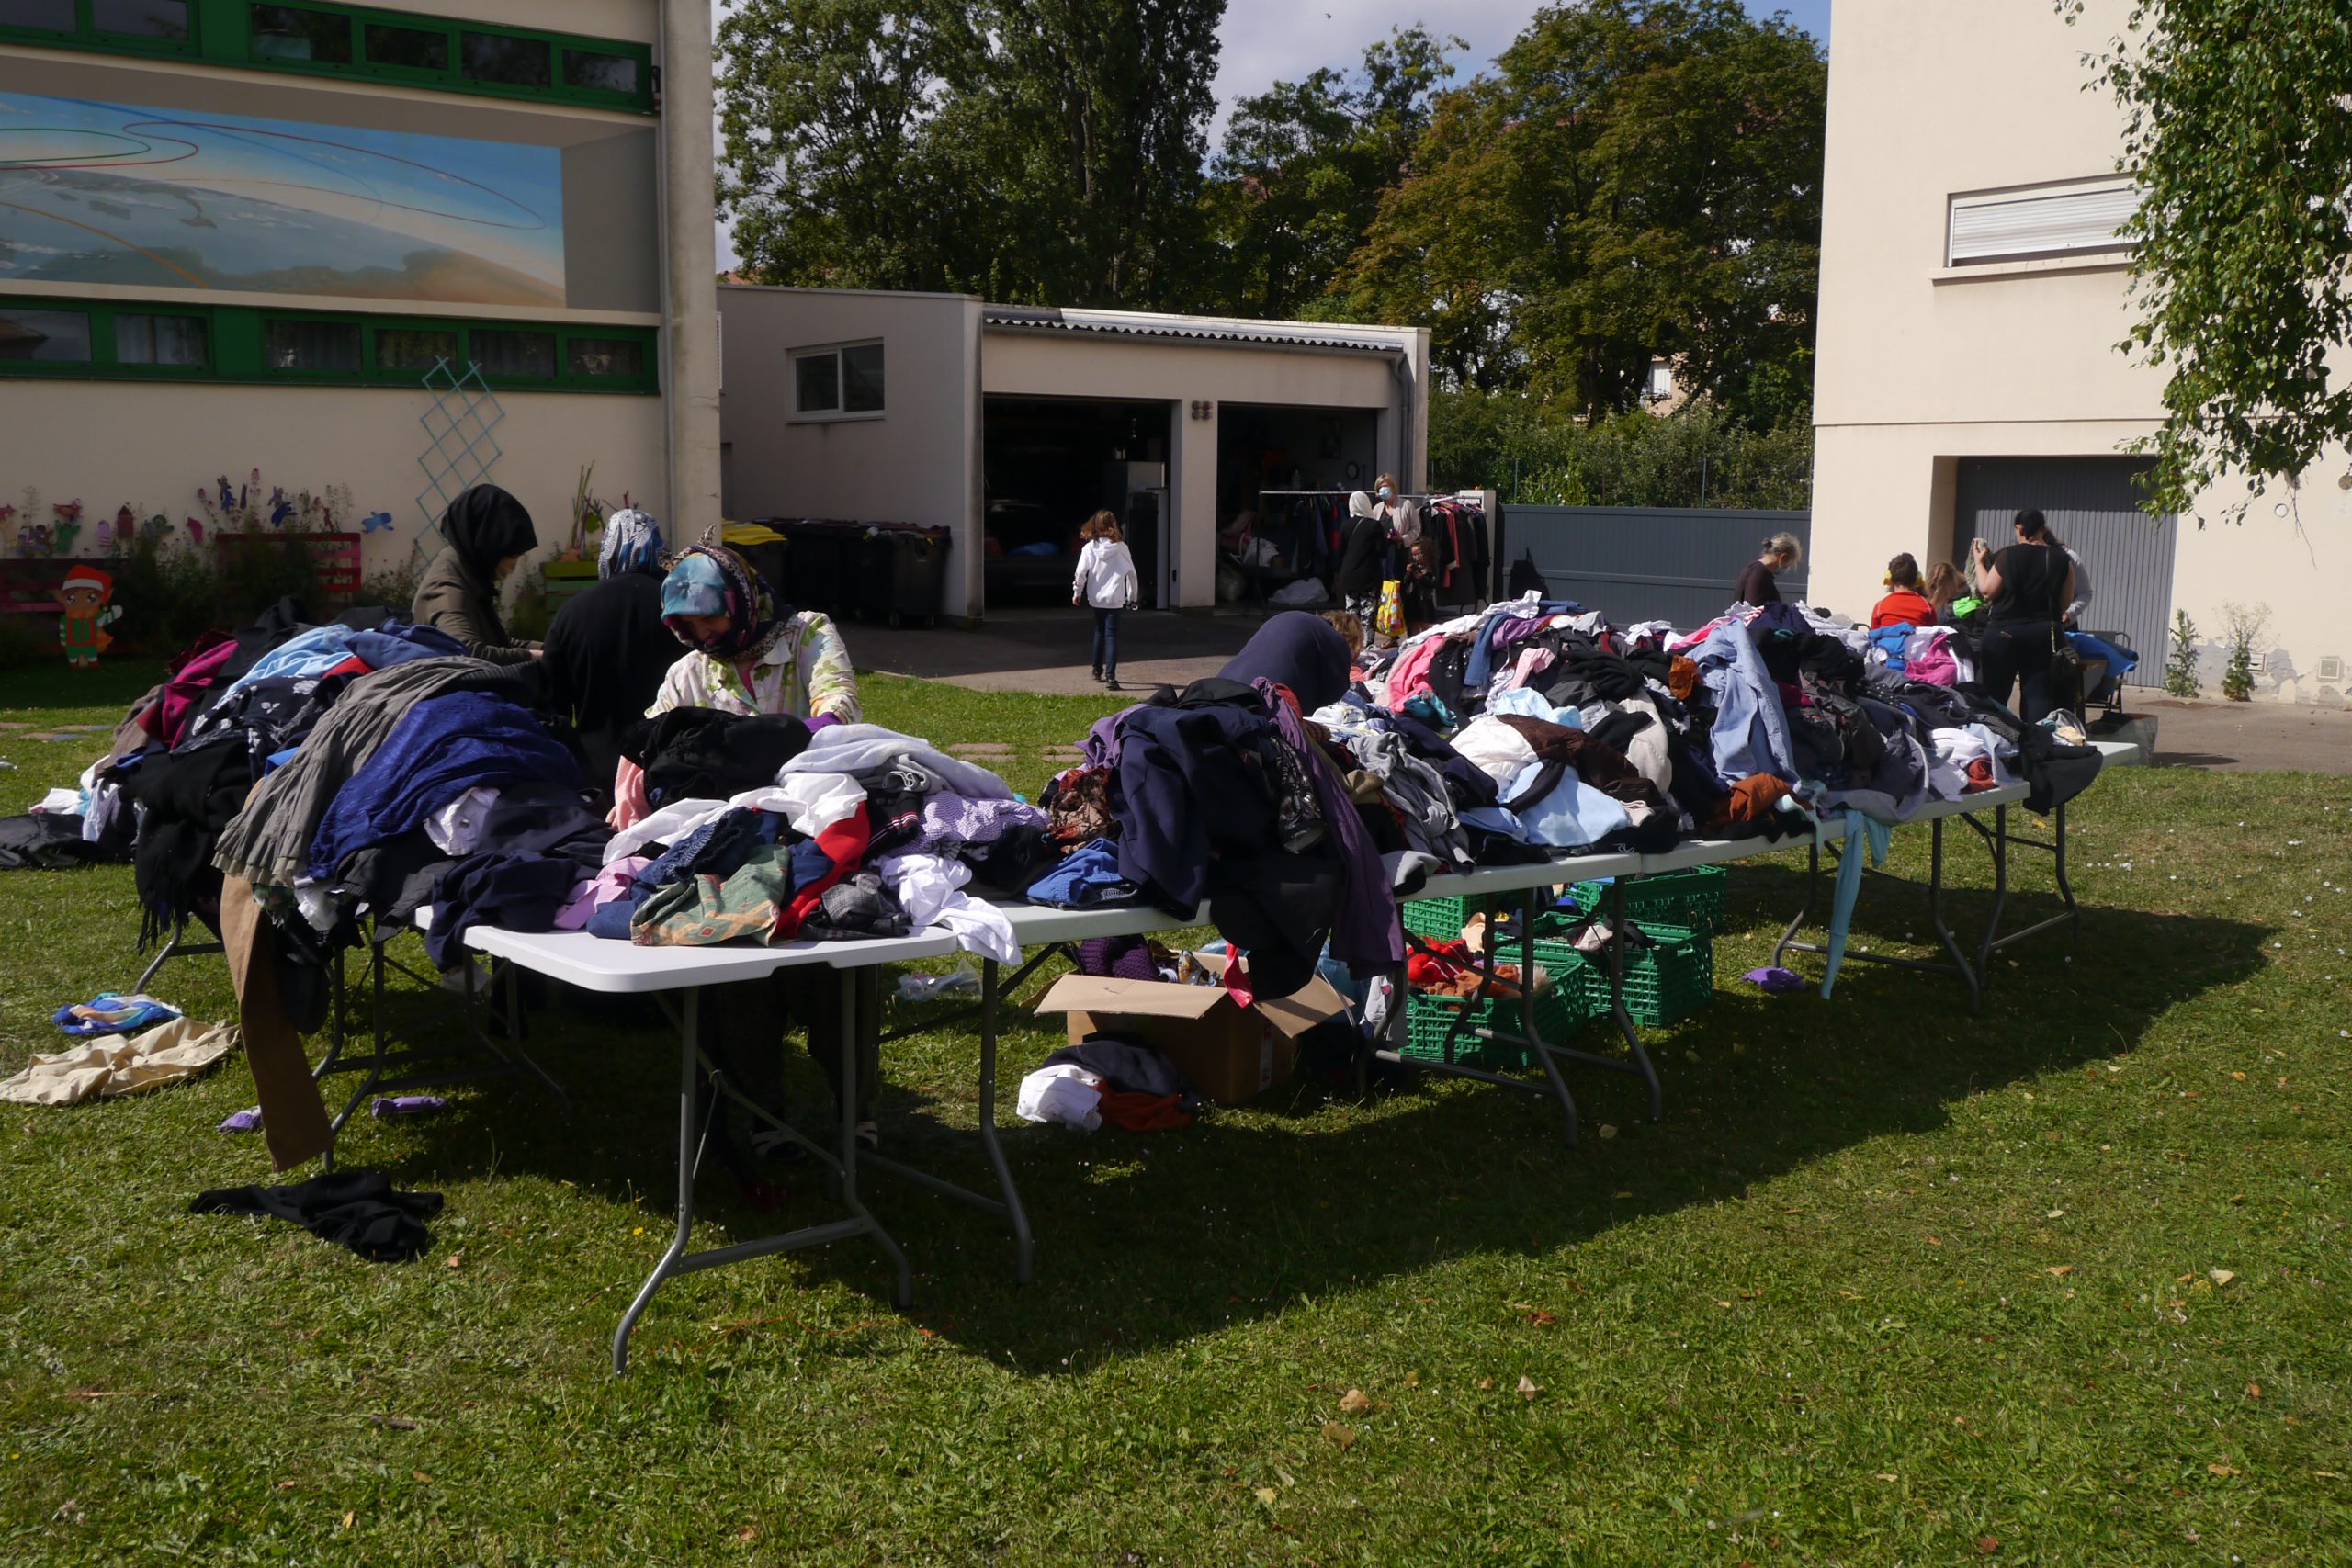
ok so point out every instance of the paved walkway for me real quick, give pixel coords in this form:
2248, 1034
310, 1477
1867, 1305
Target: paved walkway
1046, 650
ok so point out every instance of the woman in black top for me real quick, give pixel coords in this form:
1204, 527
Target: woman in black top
1757, 586
2026, 588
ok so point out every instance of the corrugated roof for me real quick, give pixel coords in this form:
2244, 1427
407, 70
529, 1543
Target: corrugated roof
1198, 328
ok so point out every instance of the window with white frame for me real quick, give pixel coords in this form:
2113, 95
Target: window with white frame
843, 381
2030, 221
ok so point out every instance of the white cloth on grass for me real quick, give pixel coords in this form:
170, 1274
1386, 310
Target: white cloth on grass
1066, 1094
115, 1064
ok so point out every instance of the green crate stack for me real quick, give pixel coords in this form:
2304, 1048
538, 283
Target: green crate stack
1559, 1011
1664, 984
1692, 898
1437, 919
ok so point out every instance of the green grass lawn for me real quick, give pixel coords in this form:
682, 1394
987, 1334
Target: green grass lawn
2065, 1282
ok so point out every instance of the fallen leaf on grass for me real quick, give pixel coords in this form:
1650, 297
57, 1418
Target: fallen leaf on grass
1484, 1383
746, 1533
287, 1485
2221, 1276
1541, 1318
1527, 1389
2254, 1390
348, 1520
2223, 1470
1267, 1494
454, 1260
1339, 1434
1412, 1380
1933, 1242
69, 1509
1355, 1401
419, 1476
1608, 1131
2059, 1270
1988, 1544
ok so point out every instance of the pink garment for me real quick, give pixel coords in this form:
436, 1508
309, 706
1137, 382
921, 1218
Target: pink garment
1532, 662
1410, 674
167, 719
629, 802
613, 882
1934, 664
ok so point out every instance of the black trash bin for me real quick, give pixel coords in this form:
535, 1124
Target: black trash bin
815, 573
902, 574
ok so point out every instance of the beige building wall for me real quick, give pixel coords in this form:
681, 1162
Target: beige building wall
1920, 365
919, 461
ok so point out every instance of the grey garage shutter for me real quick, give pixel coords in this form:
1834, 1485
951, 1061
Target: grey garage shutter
2092, 503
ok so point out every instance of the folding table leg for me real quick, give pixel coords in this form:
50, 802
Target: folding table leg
1797, 921
689, 1160
2058, 848
1617, 998
1944, 932
904, 1296
1024, 1248
1998, 842
1527, 1009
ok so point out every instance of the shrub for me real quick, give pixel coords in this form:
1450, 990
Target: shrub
2246, 624
2180, 668
394, 587
1698, 456
169, 596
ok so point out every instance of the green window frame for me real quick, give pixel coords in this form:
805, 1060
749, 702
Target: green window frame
598, 72
239, 344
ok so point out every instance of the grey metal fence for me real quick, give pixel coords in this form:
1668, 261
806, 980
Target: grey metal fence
1636, 563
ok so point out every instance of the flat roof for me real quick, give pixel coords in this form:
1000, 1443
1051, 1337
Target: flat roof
1196, 329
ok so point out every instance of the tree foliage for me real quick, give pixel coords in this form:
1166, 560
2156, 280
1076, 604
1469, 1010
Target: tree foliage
2239, 135
1699, 456
1641, 177
1028, 150
1299, 177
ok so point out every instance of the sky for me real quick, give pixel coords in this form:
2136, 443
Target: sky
1263, 43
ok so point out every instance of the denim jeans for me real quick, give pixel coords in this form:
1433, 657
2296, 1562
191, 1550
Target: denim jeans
1106, 642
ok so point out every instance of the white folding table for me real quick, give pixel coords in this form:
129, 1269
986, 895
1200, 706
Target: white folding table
620, 968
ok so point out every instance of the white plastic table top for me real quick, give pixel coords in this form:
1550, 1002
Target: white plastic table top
623, 968
1535, 874
1035, 923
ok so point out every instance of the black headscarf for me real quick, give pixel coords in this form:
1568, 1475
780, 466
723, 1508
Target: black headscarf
1296, 650
485, 525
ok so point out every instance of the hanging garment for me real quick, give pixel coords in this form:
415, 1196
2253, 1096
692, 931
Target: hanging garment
358, 1210
112, 1065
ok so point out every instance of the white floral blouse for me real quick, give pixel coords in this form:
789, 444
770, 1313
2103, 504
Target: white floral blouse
807, 674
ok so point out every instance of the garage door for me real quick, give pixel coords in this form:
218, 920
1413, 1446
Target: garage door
2091, 502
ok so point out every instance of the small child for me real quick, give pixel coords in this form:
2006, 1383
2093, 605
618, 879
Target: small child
1106, 581
1420, 586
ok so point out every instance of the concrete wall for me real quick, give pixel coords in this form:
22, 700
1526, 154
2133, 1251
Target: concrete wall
1920, 365
1071, 365
920, 462
150, 445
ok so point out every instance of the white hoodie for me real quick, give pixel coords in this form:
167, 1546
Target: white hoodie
1106, 576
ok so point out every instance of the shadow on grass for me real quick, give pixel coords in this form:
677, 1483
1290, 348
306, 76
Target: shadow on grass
1149, 1240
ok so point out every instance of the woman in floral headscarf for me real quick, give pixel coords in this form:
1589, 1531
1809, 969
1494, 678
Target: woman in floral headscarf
748, 655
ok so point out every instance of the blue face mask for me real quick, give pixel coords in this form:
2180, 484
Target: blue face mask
1387, 494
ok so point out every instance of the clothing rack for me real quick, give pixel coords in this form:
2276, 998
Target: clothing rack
1483, 501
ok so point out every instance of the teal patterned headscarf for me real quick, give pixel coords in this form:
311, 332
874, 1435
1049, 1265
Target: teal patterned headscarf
711, 579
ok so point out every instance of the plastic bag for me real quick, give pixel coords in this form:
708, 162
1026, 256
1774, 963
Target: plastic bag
931, 988
1388, 620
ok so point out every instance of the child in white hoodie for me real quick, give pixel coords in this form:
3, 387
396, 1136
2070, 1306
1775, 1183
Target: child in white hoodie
1107, 583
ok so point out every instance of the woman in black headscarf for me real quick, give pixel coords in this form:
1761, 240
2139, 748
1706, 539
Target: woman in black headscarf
1302, 651
489, 533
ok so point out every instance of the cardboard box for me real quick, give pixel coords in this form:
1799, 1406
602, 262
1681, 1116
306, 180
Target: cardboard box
1230, 1053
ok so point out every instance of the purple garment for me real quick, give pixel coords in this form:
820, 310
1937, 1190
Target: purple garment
407, 1105
1366, 937
617, 881
245, 1121
1118, 957
1774, 979
1101, 747
950, 822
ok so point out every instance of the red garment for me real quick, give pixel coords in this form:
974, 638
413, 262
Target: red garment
844, 844
1143, 1113
354, 665
1903, 609
1980, 776
198, 672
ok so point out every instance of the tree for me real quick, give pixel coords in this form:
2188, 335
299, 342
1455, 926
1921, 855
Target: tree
2237, 135
1040, 150
1303, 168
824, 106
1642, 177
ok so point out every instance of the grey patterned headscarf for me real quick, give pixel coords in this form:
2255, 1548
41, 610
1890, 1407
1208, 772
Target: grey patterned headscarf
632, 543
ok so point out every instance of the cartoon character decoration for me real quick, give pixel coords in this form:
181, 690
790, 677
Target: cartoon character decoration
374, 521
82, 632
33, 541
155, 530
69, 526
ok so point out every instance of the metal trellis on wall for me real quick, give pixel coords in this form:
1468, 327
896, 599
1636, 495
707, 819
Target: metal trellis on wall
462, 446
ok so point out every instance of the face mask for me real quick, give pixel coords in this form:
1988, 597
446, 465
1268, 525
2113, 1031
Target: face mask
1387, 494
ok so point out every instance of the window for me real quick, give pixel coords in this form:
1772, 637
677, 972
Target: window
52, 335
51, 16
593, 71
159, 20
512, 61
414, 348
310, 346
292, 32
2039, 220
504, 354
161, 340
406, 49
837, 382
604, 356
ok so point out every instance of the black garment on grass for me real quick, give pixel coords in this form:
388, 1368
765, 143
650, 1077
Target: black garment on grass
357, 1209
40, 842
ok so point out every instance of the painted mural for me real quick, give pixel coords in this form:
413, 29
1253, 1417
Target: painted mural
106, 193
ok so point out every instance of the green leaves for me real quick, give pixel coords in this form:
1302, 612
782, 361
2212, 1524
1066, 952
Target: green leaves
2236, 131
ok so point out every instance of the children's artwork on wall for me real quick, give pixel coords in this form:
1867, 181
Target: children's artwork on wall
374, 521
82, 630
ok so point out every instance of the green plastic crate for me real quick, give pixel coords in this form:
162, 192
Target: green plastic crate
1559, 1011
1692, 898
1437, 919
1664, 984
